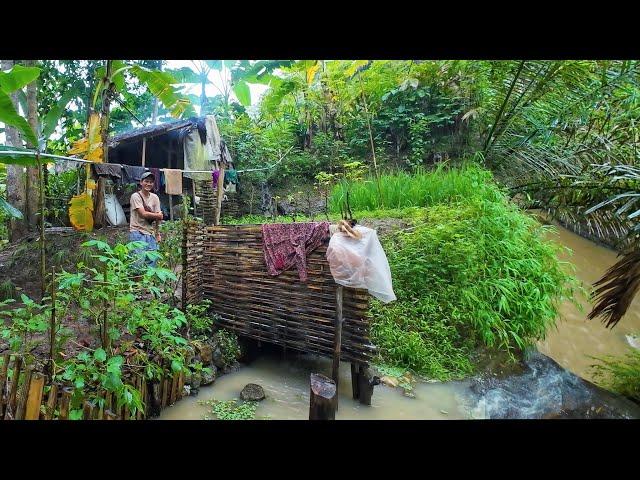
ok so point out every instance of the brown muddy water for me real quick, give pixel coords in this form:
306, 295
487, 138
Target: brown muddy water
286, 379
576, 338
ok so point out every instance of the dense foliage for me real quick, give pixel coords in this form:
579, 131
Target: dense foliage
472, 271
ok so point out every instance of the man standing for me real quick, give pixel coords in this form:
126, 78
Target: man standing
145, 216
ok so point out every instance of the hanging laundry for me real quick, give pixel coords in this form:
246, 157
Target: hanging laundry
215, 175
132, 174
225, 155
288, 244
212, 146
111, 170
231, 176
195, 157
173, 179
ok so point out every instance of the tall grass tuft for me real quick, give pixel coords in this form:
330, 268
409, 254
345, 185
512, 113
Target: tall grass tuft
421, 189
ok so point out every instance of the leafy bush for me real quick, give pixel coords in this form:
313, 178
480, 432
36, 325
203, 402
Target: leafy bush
472, 273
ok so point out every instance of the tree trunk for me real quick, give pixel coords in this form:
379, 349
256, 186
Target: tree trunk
99, 210
16, 178
32, 172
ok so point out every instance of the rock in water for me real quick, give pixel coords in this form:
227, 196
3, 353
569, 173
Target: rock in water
252, 393
209, 377
546, 390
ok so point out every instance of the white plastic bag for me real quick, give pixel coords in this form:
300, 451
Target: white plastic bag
361, 263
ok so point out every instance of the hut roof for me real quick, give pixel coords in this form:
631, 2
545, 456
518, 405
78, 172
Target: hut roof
151, 131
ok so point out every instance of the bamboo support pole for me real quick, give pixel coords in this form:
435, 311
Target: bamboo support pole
23, 391
10, 411
51, 402
52, 326
34, 397
65, 402
3, 382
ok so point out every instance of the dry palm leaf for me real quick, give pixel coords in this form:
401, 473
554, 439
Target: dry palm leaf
616, 289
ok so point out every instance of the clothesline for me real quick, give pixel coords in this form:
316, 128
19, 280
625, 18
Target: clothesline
72, 159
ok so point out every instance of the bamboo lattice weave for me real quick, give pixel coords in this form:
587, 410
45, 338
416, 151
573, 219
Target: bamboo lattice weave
226, 265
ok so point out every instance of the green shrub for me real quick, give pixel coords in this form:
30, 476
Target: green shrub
468, 274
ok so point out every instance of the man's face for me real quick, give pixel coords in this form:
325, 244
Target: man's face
147, 184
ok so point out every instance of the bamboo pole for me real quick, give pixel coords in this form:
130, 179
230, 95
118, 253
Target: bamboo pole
219, 194
34, 397
52, 326
64, 403
22, 394
337, 342
43, 266
51, 402
3, 382
15, 380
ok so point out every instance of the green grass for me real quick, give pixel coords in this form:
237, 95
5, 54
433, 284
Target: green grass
621, 375
472, 273
420, 189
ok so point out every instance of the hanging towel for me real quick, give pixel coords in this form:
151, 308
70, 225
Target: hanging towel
288, 244
231, 176
111, 170
131, 174
173, 179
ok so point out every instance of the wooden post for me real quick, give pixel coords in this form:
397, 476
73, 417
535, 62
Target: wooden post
52, 326
323, 401
355, 370
34, 397
144, 150
51, 402
64, 403
10, 412
337, 340
3, 381
219, 194
22, 394
366, 382
171, 207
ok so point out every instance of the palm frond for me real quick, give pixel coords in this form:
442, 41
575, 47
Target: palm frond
616, 290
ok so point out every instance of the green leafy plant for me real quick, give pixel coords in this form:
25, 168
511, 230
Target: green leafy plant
92, 373
199, 320
229, 346
24, 322
231, 409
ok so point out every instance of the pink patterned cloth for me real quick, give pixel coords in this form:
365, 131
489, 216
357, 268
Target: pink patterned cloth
288, 244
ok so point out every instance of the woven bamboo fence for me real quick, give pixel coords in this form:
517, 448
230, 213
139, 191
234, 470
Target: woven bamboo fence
23, 397
226, 265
